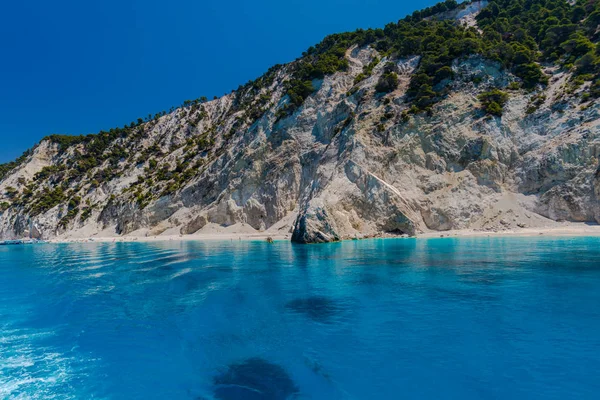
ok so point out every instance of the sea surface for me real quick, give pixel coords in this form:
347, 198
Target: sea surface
484, 318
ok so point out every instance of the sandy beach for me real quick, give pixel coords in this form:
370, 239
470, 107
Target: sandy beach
245, 233
211, 232
162, 238
571, 229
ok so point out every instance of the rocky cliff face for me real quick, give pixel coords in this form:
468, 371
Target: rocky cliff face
349, 162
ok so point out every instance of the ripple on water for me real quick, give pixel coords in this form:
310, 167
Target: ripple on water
254, 379
180, 273
32, 372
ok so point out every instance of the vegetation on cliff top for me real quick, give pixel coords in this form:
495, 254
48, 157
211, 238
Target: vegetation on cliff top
516, 33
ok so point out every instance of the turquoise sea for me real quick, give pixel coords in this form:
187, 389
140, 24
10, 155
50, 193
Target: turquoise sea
485, 318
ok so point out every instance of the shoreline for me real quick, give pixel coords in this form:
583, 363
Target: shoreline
212, 237
570, 230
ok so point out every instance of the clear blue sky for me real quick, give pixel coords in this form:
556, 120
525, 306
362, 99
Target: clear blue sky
77, 67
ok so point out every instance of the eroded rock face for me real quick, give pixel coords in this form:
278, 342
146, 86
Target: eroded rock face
315, 226
126, 217
596, 182
576, 200
194, 225
349, 163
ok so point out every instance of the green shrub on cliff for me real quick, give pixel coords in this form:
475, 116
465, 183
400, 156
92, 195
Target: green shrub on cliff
7, 167
46, 199
299, 90
493, 101
388, 81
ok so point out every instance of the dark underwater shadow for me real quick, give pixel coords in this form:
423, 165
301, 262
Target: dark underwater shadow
318, 308
254, 379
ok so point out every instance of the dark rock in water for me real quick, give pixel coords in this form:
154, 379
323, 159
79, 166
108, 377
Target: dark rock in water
254, 379
318, 308
314, 226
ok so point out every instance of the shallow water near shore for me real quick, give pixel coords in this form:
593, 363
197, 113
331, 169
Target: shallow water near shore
469, 318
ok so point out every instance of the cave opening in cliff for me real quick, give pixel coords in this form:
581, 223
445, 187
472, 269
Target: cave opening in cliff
396, 231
